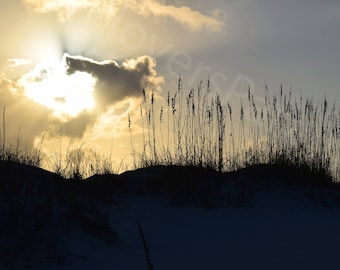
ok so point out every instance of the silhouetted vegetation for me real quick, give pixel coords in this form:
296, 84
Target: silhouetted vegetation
198, 129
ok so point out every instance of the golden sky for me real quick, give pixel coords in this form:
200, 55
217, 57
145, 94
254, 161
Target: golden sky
74, 69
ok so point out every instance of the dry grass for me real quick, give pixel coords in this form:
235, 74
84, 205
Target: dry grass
197, 129
76, 163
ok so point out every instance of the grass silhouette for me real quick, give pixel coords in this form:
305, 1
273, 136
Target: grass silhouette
199, 130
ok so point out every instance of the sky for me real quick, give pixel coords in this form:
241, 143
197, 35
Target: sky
75, 69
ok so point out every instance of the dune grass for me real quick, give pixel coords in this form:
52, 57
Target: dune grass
79, 163
17, 151
76, 163
198, 128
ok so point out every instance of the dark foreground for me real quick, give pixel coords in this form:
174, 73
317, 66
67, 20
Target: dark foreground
263, 217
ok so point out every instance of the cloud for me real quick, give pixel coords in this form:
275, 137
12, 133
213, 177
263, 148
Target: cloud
76, 127
22, 113
48, 84
65, 9
16, 62
193, 20
74, 93
113, 82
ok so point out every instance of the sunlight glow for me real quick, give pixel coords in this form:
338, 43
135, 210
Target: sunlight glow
67, 95
16, 62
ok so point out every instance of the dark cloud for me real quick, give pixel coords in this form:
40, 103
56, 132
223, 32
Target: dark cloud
76, 127
114, 82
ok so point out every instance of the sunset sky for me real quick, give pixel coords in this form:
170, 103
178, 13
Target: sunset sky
75, 68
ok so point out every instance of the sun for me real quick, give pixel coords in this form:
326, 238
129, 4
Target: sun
66, 95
